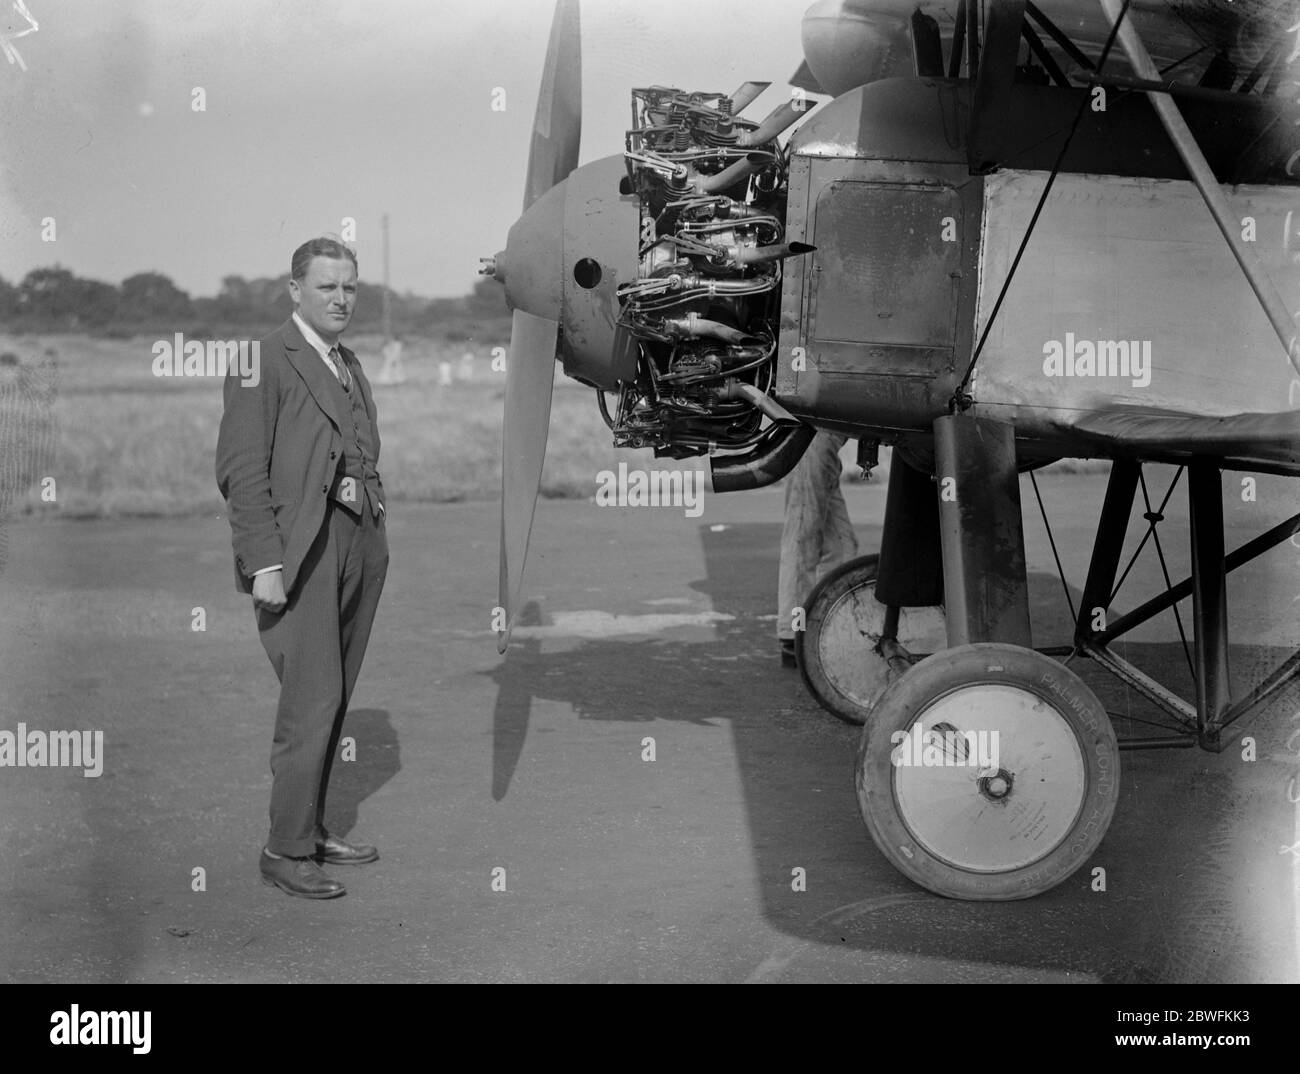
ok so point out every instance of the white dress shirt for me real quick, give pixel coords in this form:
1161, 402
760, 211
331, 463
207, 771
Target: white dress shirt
318, 345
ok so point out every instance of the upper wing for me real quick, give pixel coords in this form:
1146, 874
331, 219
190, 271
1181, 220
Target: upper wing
1190, 37
1229, 44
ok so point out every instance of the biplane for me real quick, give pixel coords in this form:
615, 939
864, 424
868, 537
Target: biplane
1018, 231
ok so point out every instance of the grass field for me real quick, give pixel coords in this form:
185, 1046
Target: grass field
119, 441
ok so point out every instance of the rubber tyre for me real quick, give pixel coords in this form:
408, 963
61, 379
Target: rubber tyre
846, 680
1058, 759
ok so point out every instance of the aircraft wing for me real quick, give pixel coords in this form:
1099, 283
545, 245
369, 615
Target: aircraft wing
1241, 32
1184, 35
1269, 442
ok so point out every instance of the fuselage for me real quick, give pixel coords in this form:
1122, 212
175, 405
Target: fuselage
1126, 294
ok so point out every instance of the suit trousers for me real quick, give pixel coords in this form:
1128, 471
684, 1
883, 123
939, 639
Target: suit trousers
817, 535
316, 645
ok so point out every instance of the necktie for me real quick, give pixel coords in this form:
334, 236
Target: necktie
340, 369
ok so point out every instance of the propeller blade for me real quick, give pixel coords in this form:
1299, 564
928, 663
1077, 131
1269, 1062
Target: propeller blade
557, 128
530, 376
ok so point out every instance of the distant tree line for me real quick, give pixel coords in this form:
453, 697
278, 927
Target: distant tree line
148, 303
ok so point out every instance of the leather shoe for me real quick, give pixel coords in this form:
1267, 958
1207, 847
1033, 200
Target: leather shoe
335, 851
299, 876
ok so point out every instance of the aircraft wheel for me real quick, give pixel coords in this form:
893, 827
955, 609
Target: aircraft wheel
1005, 813
838, 649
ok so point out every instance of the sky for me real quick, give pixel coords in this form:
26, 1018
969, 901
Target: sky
318, 110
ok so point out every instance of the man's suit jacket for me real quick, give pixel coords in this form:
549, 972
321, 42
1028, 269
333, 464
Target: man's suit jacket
278, 451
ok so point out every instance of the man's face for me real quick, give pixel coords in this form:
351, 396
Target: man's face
326, 296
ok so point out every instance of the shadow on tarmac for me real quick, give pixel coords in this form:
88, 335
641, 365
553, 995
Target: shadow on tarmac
352, 783
1181, 873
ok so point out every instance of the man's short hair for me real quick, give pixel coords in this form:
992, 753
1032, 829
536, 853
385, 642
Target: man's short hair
321, 247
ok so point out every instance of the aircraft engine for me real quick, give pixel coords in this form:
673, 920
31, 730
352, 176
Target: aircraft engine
702, 312
655, 275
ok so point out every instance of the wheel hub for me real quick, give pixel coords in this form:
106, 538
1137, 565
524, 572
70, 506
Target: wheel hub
997, 787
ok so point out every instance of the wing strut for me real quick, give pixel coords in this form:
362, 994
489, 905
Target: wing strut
1194, 160
991, 109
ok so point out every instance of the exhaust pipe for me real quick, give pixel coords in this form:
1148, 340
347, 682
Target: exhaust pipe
768, 461
738, 389
757, 255
782, 117
730, 176
693, 326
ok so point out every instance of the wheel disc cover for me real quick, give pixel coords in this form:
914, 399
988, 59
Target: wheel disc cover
849, 636
978, 819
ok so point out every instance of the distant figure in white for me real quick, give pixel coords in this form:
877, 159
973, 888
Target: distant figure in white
466, 370
391, 371
817, 536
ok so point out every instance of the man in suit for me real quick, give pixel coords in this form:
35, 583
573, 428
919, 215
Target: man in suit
297, 459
